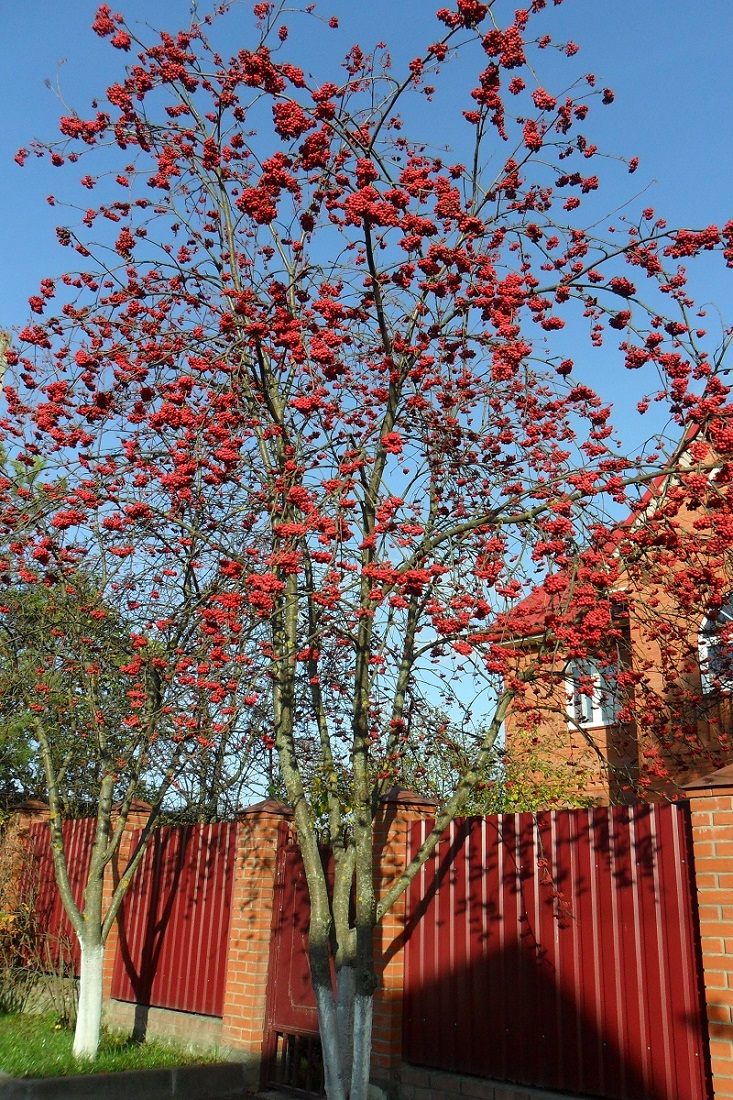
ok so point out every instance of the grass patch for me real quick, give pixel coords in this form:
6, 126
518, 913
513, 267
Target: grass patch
37, 1046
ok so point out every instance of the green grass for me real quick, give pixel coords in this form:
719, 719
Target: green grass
36, 1046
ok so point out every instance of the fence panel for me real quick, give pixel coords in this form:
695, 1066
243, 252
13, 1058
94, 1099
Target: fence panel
40, 883
174, 932
560, 950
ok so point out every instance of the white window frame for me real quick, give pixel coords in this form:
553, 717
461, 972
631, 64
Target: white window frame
716, 675
602, 707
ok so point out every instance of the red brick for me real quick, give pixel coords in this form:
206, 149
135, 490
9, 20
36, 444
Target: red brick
718, 995
722, 1067
715, 928
713, 959
715, 867
710, 910
708, 803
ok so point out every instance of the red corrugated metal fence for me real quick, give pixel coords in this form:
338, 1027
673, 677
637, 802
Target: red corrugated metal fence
559, 950
174, 938
40, 883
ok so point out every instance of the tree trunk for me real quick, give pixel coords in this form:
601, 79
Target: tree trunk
362, 1045
345, 985
89, 1018
328, 1027
345, 1025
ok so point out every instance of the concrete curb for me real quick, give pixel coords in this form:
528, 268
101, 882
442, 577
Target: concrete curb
226, 1081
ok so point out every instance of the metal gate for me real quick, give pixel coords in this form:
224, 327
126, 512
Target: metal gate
292, 1051
560, 950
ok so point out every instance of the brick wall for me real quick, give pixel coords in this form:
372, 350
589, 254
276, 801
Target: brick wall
433, 1084
15, 852
711, 800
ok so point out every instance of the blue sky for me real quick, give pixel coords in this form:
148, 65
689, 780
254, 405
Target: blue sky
668, 62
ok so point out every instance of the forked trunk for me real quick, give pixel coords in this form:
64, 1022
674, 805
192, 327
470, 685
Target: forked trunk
89, 1017
345, 1025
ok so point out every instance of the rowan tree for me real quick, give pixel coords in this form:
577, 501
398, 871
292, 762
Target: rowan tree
308, 355
122, 677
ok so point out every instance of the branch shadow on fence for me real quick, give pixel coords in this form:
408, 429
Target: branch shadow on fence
559, 951
173, 924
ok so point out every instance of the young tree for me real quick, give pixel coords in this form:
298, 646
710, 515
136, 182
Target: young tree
108, 661
309, 357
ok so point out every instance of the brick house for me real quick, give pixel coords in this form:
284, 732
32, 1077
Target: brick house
647, 706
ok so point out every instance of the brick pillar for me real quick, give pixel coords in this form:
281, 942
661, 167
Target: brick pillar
14, 853
711, 803
136, 818
398, 811
30, 811
245, 994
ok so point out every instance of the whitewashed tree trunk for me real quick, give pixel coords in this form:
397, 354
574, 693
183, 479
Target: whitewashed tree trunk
89, 1018
345, 1025
361, 1046
346, 986
330, 1045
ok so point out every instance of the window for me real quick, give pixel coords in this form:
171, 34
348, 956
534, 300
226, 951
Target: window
592, 692
715, 648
